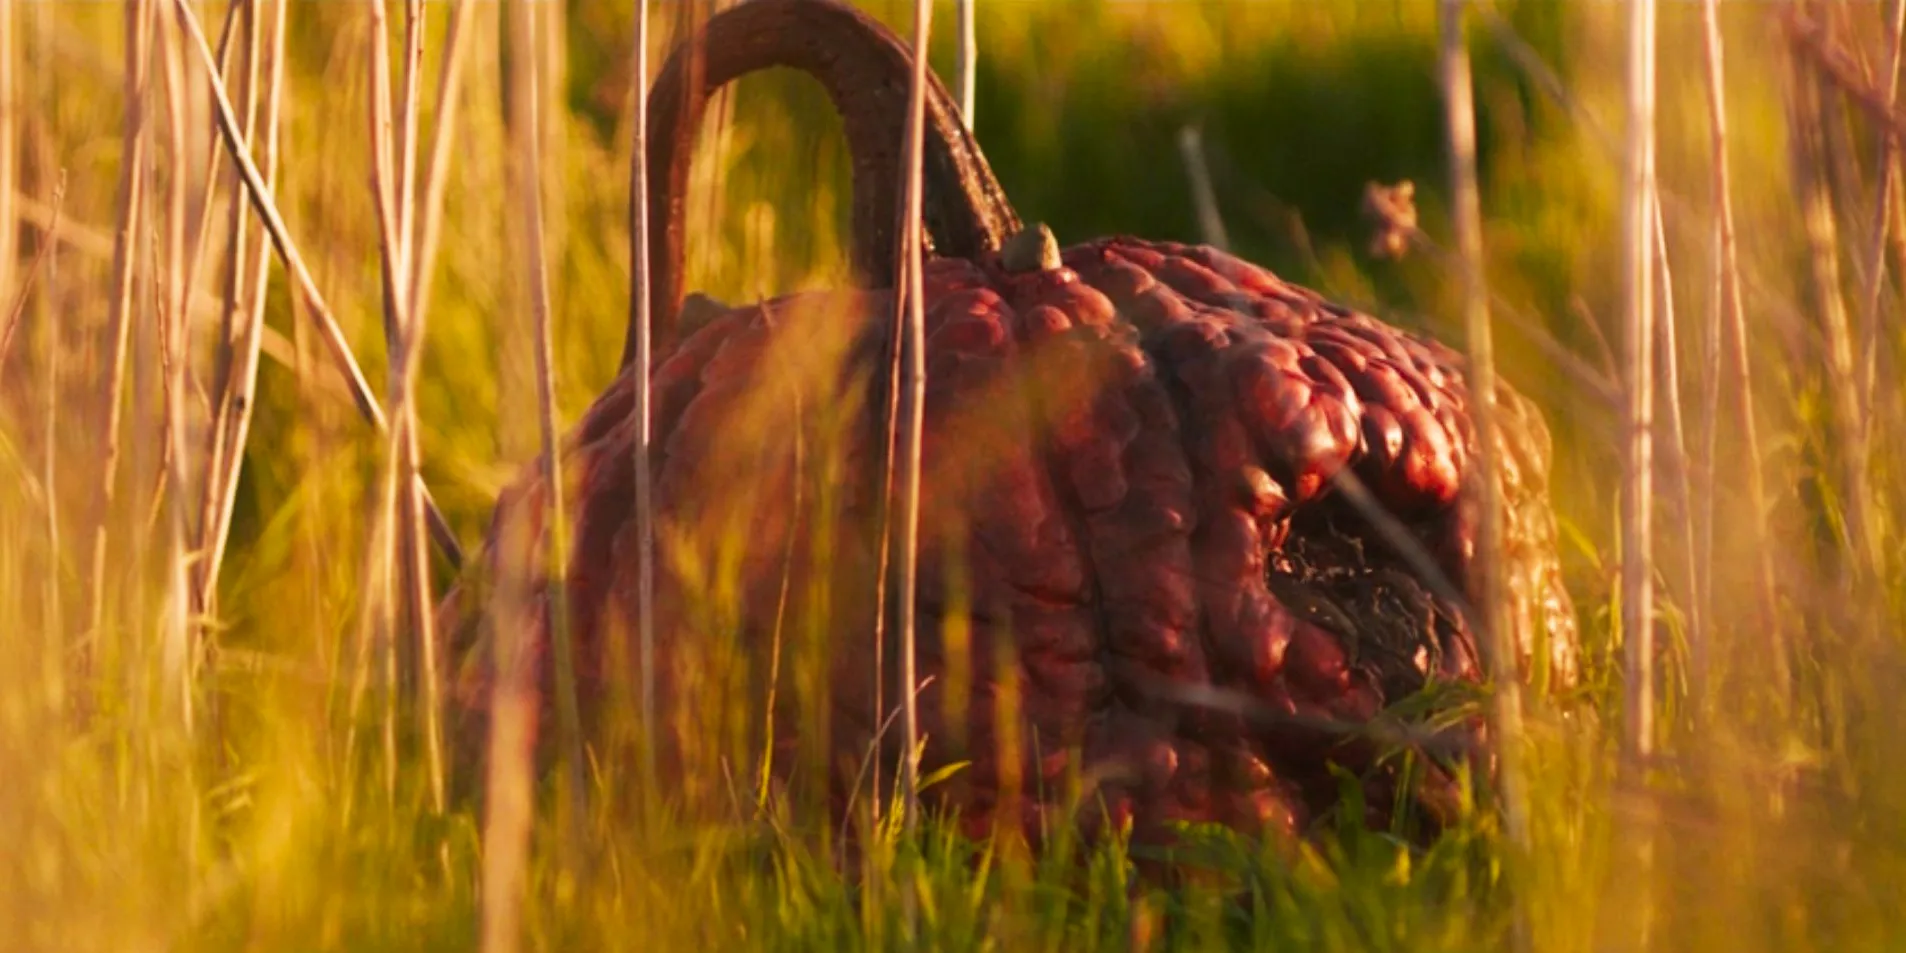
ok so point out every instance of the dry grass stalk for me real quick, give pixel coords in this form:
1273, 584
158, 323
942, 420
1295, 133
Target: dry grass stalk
1887, 168
526, 120
1813, 158
1203, 195
1713, 368
1896, 234
377, 621
429, 226
642, 345
968, 59
1680, 469
1392, 210
384, 176
902, 439
314, 304
53, 669
176, 650
245, 303
1814, 41
226, 354
509, 785
508, 806
1845, 177
1637, 497
40, 259
1486, 586
129, 653
130, 208
910, 328
407, 121
420, 227
370, 647
1637, 593
96, 243
9, 148
404, 557
796, 505
1728, 320
1678, 210
423, 228
207, 191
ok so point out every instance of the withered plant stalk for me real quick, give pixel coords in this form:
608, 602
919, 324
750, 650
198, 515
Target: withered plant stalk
245, 301
1728, 321
968, 59
1847, 457
9, 147
910, 328
226, 354
1669, 362
176, 651
526, 103
41, 258
1637, 497
1486, 587
643, 345
130, 208
1204, 196
1637, 485
423, 222
53, 669
403, 556
1887, 168
204, 198
429, 225
314, 303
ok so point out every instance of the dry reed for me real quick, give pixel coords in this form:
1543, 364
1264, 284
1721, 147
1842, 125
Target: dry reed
260, 194
427, 225
642, 358
1815, 154
130, 213
1886, 166
968, 63
1637, 497
910, 334
1485, 586
212, 513
176, 650
1728, 322
1680, 469
41, 258
1637, 591
527, 126
9, 149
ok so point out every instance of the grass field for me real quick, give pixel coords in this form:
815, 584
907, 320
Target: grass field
242, 772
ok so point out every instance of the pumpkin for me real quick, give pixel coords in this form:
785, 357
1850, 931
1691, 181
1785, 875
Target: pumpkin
1146, 593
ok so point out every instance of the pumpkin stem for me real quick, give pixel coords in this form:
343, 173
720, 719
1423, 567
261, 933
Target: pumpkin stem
1035, 248
866, 71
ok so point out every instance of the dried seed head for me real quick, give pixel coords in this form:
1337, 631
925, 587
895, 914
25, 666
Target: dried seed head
1392, 209
1033, 249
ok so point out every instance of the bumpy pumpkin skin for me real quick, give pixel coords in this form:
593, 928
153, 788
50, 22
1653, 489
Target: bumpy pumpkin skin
1128, 466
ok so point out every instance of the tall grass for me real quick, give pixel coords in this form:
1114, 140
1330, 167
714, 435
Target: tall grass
220, 399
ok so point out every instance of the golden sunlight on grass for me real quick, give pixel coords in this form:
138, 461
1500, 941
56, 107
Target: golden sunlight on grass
308, 310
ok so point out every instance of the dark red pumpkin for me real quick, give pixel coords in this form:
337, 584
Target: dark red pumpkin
1132, 458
